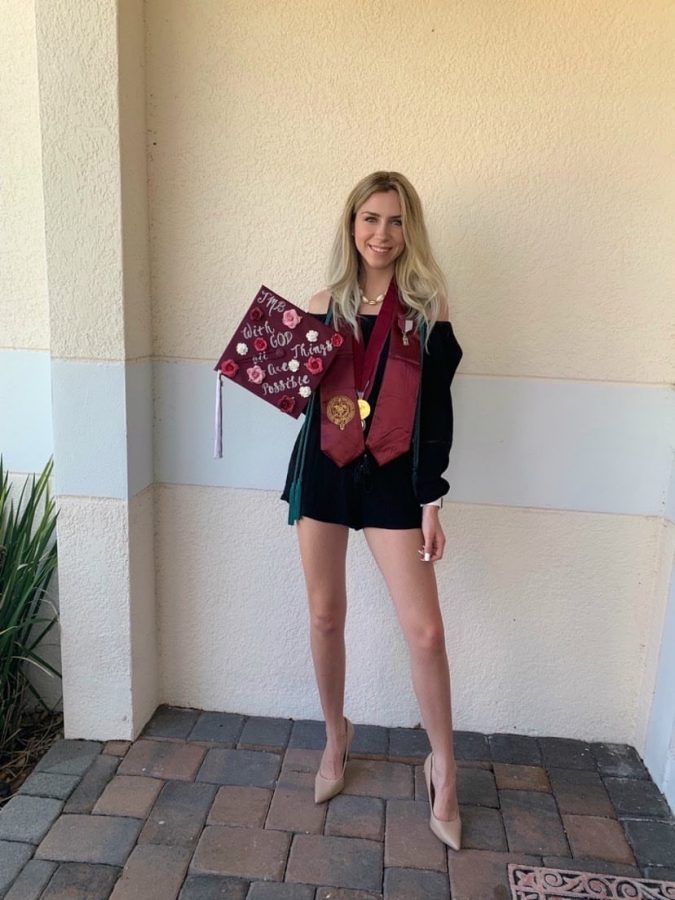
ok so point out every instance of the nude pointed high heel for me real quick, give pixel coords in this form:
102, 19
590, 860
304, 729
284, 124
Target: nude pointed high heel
325, 788
447, 830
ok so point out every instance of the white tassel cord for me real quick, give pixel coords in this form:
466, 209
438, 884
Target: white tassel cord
218, 420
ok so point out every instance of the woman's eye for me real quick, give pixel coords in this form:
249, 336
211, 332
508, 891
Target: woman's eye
370, 218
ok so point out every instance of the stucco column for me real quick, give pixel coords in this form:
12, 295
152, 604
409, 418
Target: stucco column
92, 117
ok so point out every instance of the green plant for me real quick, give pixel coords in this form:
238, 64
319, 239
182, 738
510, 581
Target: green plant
27, 562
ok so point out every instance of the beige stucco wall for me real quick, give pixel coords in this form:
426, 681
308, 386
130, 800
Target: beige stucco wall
96, 150
537, 134
537, 606
24, 308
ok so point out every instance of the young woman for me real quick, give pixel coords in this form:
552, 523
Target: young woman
371, 454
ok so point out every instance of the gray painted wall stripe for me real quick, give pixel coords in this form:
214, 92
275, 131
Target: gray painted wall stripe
565, 445
26, 440
102, 427
257, 439
89, 428
518, 442
139, 423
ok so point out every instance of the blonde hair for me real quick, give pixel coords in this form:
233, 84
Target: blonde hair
421, 285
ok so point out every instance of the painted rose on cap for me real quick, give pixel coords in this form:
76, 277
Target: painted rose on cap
255, 374
229, 367
287, 403
291, 318
314, 365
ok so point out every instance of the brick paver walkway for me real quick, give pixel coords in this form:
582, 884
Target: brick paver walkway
215, 805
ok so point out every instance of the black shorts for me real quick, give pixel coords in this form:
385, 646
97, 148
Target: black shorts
360, 494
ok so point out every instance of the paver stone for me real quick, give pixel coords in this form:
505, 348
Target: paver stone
13, 857
90, 839
28, 819
163, 759
532, 823
128, 795
481, 874
31, 881
343, 862
597, 836
68, 757
415, 884
252, 853
81, 881
179, 814
152, 872
409, 843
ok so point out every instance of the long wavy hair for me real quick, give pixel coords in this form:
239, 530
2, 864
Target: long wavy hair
421, 285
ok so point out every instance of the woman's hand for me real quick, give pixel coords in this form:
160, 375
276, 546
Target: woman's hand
432, 532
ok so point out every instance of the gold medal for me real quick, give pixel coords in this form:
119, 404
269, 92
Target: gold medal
364, 408
340, 410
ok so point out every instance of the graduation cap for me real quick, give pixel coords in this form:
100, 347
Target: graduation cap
278, 352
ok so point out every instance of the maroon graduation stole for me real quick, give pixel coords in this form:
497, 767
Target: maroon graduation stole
349, 380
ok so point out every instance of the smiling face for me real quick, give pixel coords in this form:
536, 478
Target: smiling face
378, 230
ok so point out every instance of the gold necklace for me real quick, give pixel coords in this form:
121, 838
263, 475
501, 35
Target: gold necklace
374, 302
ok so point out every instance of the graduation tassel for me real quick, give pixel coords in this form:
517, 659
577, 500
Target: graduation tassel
218, 422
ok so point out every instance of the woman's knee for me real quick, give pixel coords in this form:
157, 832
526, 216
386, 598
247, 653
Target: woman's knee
327, 616
427, 638
327, 623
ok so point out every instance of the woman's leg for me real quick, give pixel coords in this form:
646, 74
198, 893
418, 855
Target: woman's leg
412, 585
323, 549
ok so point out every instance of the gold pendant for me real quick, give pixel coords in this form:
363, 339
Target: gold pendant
340, 411
364, 408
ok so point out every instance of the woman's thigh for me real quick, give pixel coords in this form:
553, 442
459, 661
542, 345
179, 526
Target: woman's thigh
411, 583
323, 551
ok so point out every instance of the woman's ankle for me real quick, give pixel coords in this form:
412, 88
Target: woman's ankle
443, 771
336, 734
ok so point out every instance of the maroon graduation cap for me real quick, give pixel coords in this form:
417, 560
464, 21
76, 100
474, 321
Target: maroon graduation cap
279, 352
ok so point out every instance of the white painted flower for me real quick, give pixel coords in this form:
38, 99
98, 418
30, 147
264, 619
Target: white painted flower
242, 348
305, 391
312, 335
293, 365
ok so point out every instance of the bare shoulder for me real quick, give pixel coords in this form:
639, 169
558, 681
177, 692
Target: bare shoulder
318, 303
443, 309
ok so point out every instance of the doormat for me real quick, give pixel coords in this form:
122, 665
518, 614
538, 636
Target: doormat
541, 883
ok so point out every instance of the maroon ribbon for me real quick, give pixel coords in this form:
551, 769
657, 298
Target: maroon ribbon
393, 423
391, 430
365, 361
